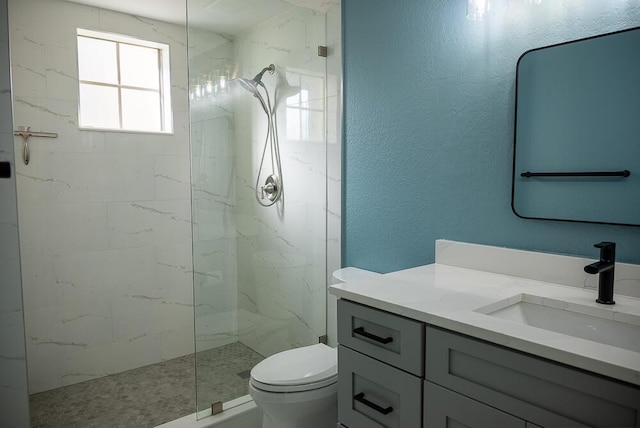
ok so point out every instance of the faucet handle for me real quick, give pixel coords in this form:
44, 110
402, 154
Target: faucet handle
605, 244
607, 251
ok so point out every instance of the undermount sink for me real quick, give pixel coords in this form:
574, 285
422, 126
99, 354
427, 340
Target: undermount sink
600, 325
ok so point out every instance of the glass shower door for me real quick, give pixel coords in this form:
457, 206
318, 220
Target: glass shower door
259, 271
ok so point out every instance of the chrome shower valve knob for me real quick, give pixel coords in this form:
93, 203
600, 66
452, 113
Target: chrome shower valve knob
271, 188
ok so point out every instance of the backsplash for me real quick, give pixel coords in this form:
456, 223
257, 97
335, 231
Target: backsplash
546, 267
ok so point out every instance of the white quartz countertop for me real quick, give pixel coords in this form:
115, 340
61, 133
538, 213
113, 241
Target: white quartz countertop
447, 297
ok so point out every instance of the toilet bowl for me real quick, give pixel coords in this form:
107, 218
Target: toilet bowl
297, 388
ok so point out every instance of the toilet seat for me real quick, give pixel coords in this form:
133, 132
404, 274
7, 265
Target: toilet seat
296, 370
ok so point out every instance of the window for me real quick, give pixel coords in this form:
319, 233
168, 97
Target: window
124, 83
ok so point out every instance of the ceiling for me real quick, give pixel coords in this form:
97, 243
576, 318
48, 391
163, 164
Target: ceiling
228, 17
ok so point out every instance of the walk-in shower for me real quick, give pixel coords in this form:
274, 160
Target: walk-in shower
129, 240
273, 188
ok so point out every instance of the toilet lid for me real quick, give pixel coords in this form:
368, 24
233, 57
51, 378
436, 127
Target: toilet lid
300, 366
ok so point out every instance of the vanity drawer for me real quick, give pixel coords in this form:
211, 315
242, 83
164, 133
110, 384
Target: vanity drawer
555, 395
446, 409
372, 394
390, 338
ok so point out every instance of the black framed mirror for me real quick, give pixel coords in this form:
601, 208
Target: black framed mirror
577, 131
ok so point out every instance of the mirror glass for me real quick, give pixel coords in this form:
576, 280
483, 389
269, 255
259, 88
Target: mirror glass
577, 131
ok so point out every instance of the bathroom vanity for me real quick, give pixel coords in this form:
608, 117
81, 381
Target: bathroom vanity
448, 345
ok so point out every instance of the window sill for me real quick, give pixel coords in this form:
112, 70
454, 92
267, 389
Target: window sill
126, 131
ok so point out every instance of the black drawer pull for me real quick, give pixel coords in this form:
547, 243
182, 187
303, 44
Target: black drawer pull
383, 340
374, 406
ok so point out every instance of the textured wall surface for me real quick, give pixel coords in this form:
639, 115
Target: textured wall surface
429, 105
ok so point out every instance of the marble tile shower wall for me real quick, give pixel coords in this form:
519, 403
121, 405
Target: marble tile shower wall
14, 404
282, 251
105, 217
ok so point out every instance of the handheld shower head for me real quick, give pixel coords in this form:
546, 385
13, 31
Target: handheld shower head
251, 85
258, 77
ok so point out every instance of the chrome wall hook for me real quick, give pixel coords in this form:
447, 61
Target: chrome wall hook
25, 133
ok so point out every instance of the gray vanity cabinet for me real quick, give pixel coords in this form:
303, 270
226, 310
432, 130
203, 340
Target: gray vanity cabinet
400, 373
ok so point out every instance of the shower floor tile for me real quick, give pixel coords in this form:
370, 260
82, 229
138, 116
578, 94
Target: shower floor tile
150, 395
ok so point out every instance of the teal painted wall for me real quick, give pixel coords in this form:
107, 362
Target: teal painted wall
429, 116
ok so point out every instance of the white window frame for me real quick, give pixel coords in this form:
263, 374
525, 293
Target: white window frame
166, 115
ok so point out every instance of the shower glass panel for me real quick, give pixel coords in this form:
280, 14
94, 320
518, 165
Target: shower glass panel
259, 271
104, 223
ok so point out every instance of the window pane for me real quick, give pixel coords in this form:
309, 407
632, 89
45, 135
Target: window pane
140, 110
97, 60
139, 66
99, 106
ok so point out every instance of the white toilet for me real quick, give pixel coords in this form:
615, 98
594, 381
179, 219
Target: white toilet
297, 388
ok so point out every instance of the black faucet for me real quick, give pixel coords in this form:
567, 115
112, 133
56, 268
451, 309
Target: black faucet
605, 268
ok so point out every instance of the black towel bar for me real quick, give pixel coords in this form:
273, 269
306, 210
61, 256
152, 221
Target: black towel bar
625, 173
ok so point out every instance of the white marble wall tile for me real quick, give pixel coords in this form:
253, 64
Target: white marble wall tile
36, 184
136, 315
168, 144
81, 270
212, 219
24, 114
30, 226
216, 329
173, 218
51, 31
175, 270
124, 143
92, 177
104, 216
175, 317
59, 116
60, 67
172, 179
45, 372
179, 91
39, 282
133, 271
177, 341
90, 142
74, 227
30, 81
129, 225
